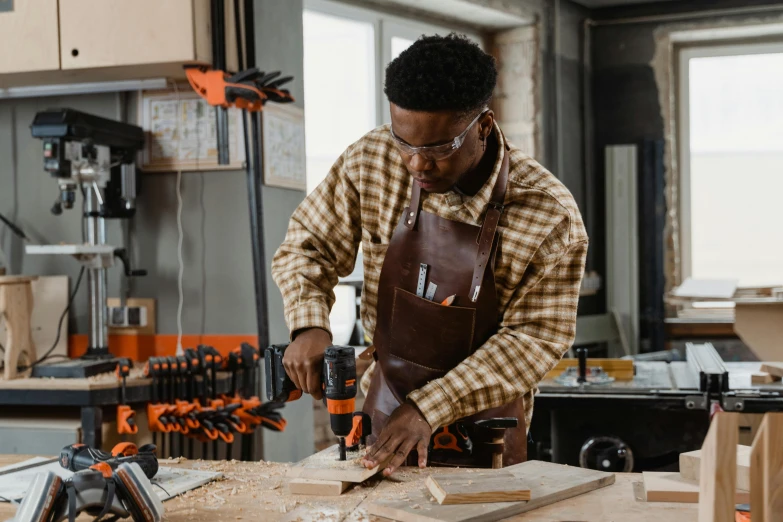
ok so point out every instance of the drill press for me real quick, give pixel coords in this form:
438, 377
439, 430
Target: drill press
94, 156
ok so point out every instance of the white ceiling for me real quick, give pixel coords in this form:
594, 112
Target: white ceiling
607, 3
468, 12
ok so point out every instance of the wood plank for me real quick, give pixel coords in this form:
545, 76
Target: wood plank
325, 465
718, 473
690, 466
485, 486
620, 369
763, 378
549, 483
766, 473
669, 486
301, 486
773, 368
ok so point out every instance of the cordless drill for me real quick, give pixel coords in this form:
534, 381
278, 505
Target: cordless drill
338, 380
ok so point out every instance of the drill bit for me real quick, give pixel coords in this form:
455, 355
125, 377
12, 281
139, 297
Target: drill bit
342, 447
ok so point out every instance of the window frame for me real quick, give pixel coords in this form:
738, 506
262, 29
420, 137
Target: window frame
386, 27
684, 55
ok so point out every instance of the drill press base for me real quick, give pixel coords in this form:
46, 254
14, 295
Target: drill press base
75, 368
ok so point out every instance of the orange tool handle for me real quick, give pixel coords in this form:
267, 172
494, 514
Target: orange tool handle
446, 440
154, 413
125, 449
126, 421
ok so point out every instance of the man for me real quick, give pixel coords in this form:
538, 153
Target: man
473, 258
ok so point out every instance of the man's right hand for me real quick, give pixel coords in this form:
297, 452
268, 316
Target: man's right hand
304, 360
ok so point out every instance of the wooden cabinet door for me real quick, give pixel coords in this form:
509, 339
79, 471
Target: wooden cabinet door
28, 36
108, 33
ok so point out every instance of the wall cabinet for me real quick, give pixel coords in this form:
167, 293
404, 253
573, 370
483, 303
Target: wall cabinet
28, 36
67, 41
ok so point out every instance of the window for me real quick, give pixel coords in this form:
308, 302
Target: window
346, 50
731, 163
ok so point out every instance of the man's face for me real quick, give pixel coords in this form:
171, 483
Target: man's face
420, 129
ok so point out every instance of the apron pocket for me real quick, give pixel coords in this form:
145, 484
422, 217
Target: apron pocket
429, 335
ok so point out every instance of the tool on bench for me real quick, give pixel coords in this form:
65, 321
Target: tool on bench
99, 491
338, 382
76, 457
497, 428
126, 416
444, 439
582, 375
157, 412
248, 90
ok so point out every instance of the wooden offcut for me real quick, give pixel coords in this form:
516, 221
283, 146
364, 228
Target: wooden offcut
549, 483
300, 486
488, 486
766, 470
669, 486
620, 369
690, 466
325, 465
773, 368
763, 378
718, 473
16, 306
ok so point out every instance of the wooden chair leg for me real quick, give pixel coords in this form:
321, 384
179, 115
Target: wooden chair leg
16, 304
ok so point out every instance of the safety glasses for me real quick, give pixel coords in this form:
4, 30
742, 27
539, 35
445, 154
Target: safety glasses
436, 152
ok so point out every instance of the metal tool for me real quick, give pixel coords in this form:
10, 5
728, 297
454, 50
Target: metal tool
338, 381
95, 156
422, 279
583, 375
76, 457
431, 289
126, 417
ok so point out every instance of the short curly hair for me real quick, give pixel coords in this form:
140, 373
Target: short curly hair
441, 73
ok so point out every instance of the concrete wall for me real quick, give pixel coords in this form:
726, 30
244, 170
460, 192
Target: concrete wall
218, 280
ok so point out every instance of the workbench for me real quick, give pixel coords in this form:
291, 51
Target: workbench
257, 491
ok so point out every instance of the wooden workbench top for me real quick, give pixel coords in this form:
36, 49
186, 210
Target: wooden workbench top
257, 491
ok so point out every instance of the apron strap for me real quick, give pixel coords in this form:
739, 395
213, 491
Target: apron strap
489, 227
413, 211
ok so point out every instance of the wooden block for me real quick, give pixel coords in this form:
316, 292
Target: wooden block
620, 369
766, 470
668, 486
690, 466
763, 378
485, 486
773, 368
718, 473
300, 486
549, 483
325, 465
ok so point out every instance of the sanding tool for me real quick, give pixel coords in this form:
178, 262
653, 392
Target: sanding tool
97, 491
339, 385
77, 457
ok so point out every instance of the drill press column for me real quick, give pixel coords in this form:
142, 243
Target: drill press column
96, 277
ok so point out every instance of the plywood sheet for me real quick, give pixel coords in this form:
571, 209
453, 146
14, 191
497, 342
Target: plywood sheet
485, 486
669, 486
690, 466
549, 483
325, 465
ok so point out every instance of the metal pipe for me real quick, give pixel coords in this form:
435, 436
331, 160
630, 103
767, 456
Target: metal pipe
96, 278
585, 71
676, 17
219, 63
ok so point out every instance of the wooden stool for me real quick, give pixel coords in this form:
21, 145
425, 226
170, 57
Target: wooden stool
16, 305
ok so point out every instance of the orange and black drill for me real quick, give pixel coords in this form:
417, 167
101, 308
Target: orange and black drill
339, 385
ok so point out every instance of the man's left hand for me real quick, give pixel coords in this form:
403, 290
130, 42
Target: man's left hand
406, 429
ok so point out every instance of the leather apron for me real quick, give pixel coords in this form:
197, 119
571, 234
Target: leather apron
417, 340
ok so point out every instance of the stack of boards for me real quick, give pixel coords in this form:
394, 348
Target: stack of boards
464, 496
684, 486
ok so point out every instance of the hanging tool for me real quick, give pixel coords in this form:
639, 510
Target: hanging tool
248, 90
126, 417
338, 381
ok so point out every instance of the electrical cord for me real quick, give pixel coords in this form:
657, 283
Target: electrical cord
180, 232
47, 356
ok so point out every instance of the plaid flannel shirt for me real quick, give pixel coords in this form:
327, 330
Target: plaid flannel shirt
539, 267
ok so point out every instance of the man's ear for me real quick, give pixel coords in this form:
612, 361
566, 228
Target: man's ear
486, 123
